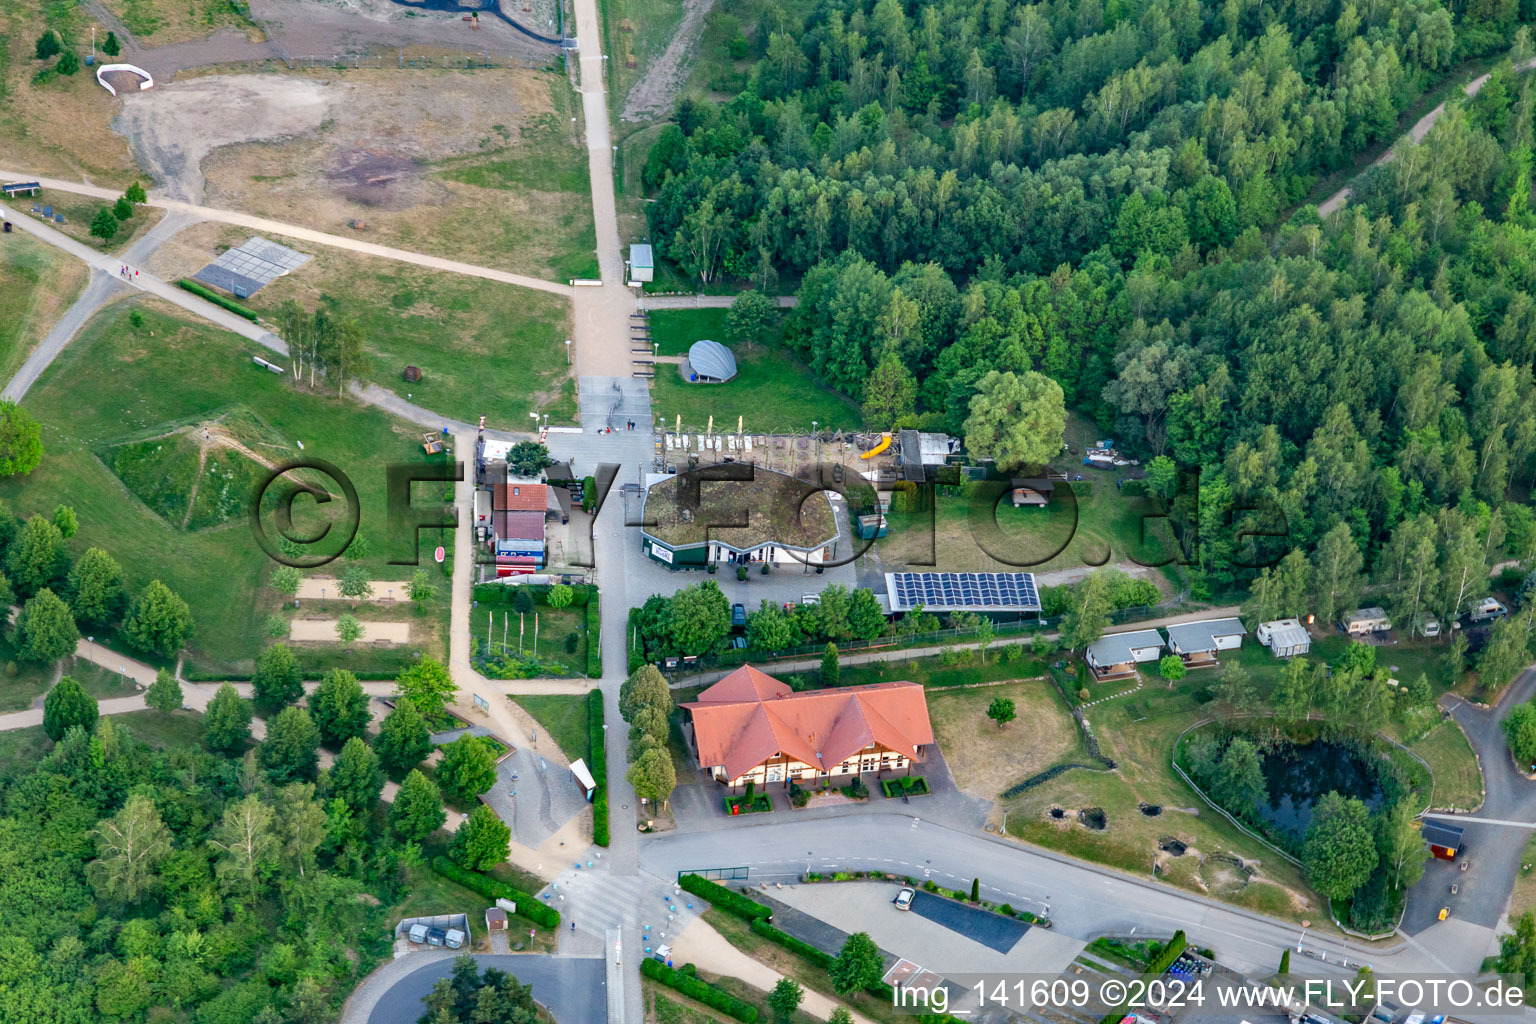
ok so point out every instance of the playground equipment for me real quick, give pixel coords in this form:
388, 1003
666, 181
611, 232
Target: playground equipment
885, 442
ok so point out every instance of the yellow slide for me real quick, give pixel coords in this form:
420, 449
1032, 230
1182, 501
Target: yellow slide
885, 442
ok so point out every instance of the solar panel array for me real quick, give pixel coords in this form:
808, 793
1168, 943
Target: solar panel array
250, 266
998, 591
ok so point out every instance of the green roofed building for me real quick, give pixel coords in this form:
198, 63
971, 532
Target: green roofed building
736, 513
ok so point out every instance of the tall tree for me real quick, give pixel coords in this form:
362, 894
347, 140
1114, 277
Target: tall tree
97, 592
653, 775
403, 741
290, 753
418, 808
468, 768
21, 440
1001, 711
1239, 782
164, 694
857, 966
277, 682
1088, 616
785, 998
158, 620
830, 668
36, 557
339, 707
66, 707
245, 842
428, 686
356, 777
1340, 852
482, 841
45, 629
130, 846
227, 722
1336, 573
645, 687
1018, 419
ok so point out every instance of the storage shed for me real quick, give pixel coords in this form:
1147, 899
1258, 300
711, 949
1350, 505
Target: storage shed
1285, 638
642, 264
583, 777
1444, 839
495, 919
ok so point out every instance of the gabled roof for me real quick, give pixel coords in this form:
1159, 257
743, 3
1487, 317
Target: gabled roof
749, 717
1441, 834
1194, 637
518, 525
1116, 648
521, 497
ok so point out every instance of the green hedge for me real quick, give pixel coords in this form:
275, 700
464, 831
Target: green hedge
502, 593
725, 899
594, 640
819, 957
1164, 960
697, 988
531, 907
597, 764
218, 300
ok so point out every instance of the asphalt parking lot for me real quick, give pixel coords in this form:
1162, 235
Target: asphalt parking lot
991, 930
571, 988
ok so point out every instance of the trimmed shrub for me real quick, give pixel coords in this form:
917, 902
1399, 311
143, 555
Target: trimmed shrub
531, 907
594, 640
725, 899
820, 958
597, 763
696, 988
214, 297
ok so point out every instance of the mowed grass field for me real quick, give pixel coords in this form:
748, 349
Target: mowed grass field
563, 717
115, 381
986, 759
772, 391
483, 347
37, 284
1087, 523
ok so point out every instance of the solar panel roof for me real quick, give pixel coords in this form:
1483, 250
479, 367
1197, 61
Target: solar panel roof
250, 266
956, 591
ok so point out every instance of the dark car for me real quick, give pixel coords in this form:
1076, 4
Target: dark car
738, 615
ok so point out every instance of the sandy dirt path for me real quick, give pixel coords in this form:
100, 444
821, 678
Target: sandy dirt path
275, 227
652, 96
1420, 129
324, 631
321, 588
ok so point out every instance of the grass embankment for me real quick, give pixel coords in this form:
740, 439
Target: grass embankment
37, 284
563, 718
116, 383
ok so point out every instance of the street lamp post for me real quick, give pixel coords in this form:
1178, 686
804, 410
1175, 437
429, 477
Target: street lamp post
567, 351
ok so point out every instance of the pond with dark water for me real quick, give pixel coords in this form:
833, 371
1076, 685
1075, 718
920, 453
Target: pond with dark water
1299, 775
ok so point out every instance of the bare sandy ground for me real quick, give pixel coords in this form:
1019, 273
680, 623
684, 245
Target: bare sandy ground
324, 631
652, 96
172, 128
311, 586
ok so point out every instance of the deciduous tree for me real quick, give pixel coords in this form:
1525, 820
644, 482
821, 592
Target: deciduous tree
1340, 852
158, 620
164, 694
428, 686
339, 707
130, 846
1018, 419
1001, 711
45, 629
858, 964
356, 777
468, 768
290, 753
418, 808
653, 775
403, 741
277, 682
66, 707
97, 591
482, 841
227, 722
245, 843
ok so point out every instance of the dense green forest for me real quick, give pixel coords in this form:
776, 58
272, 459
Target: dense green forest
178, 885
1112, 194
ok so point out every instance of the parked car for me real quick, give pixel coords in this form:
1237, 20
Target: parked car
810, 599
904, 899
738, 615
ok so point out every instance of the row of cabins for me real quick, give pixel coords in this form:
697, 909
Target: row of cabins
1116, 655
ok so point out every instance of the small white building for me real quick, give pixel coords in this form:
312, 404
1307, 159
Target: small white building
642, 264
1366, 620
1285, 638
1118, 654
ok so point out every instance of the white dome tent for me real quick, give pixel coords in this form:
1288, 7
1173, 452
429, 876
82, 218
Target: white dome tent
708, 362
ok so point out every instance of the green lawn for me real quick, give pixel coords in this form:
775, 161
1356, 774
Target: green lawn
772, 391
563, 718
114, 382
1458, 780
674, 330
483, 347
178, 729
101, 683
979, 530
37, 283
28, 681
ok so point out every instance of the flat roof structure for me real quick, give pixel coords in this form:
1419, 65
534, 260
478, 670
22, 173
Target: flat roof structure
962, 591
250, 266
1193, 637
739, 506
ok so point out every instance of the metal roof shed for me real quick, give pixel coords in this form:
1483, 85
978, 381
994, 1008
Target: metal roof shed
642, 263
583, 777
1205, 635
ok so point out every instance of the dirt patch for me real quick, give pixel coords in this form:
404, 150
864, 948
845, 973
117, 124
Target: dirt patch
172, 128
1171, 846
653, 94
1150, 810
1094, 818
324, 631
376, 177
1058, 814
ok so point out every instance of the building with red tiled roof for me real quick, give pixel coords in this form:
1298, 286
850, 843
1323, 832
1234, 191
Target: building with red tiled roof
749, 727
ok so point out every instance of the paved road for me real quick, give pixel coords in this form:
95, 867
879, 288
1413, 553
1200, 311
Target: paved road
571, 988
1491, 850
1420, 129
